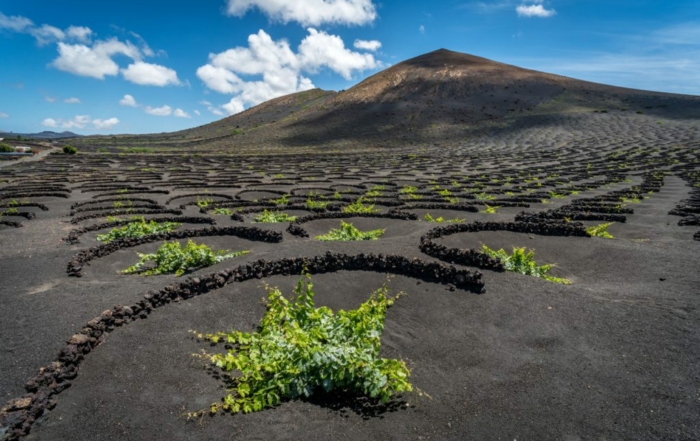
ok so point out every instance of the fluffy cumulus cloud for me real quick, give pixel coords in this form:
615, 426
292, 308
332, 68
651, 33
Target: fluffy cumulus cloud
147, 74
128, 101
49, 122
105, 124
534, 10
77, 54
15, 23
45, 33
181, 113
72, 100
309, 12
95, 61
80, 122
280, 70
371, 45
159, 111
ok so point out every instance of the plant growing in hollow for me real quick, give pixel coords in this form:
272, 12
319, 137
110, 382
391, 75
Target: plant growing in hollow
272, 217
600, 231
490, 210
312, 204
283, 200
138, 228
347, 232
221, 211
300, 349
523, 262
171, 258
439, 220
204, 203
359, 207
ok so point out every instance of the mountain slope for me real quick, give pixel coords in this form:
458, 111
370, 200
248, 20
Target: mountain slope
439, 96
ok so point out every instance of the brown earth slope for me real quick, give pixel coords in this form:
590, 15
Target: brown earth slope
442, 96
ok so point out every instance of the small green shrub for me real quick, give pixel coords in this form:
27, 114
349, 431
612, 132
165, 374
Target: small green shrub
439, 220
359, 207
204, 203
600, 231
272, 217
284, 200
223, 211
136, 229
172, 258
311, 204
408, 189
490, 210
69, 150
300, 349
523, 262
484, 197
6, 148
347, 232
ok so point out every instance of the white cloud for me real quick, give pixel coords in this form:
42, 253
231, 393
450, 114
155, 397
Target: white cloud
421, 29
534, 11
49, 122
320, 49
234, 106
280, 70
50, 99
4, 115
196, 112
79, 33
371, 45
95, 61
15, 23
47, 34
105, 124
215, 111
181, 113
78, 122
147, 74
81, 122
72, 100
128, 101
309, 12
159, 111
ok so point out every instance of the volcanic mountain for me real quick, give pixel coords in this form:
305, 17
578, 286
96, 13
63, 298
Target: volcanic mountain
436, 97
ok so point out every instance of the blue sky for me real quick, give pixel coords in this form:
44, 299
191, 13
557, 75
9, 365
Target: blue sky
148, 66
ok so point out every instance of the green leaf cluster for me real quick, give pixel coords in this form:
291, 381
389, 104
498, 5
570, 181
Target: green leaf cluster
439, 220
204, 203
347, 232
490, 209
359, 207
300, 349
523, 262
223, 211
172, 258
310, 203
137, 229
283, 200
600, 231
273, 217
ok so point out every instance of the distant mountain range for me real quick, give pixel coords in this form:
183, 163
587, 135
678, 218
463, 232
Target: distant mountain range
41, 135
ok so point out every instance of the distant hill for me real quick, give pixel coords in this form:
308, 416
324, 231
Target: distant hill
439, 96
41, 135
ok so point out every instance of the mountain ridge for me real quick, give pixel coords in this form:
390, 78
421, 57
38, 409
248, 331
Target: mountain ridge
441, 95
